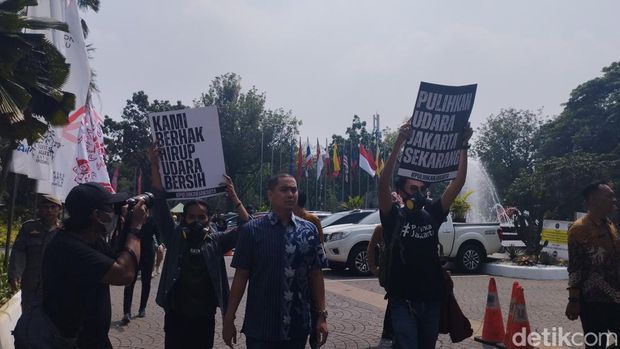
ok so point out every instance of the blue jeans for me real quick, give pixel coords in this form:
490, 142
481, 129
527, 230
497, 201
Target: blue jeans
415, 324
294, 343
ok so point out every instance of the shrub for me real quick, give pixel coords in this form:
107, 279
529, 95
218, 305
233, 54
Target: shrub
5, 289
460, 207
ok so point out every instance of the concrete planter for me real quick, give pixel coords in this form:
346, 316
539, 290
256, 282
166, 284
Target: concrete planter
538, 272
9, 314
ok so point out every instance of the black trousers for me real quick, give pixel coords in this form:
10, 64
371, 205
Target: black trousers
387, 324
189, 332
598, 318
146, 268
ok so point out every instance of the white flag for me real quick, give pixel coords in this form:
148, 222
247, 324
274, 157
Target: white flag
319, 160
57, 160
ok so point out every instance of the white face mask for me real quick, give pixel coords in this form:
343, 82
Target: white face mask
111, 225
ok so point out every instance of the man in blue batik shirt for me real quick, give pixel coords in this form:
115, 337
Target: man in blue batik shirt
281, 256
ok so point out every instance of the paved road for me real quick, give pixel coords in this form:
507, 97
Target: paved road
356, 309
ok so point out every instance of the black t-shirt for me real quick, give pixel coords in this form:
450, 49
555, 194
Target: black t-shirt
416, 273
73, 295
193, 294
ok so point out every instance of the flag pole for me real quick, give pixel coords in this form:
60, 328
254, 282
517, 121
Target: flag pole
9, 224
359, 173
316, 189
260, 190
367, 187
344, 172
271, 163
326, 174
350, 168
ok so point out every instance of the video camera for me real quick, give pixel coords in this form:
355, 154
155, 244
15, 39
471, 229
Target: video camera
148, 198
149, 201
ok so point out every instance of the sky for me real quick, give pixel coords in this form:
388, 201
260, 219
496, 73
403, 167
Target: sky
329, 60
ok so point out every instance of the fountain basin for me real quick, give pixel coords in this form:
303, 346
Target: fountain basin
537, 272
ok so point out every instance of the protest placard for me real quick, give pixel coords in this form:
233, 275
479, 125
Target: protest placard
191, 159
441, 112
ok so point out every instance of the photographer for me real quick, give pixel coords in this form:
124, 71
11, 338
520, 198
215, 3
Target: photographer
79, 266
193, 281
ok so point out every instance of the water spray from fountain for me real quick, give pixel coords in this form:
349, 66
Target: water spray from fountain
485, 203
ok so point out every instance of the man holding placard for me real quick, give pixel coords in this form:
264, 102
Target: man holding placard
193, 281
414, 277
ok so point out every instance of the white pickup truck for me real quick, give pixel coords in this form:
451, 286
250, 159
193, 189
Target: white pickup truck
466, 244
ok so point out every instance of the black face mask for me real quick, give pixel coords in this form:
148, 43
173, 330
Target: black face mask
415, 201
194, 232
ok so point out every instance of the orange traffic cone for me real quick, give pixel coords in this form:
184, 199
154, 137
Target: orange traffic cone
493, 327
517, 332
513, 301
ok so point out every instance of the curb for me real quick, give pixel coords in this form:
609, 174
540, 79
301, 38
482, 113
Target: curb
538, 272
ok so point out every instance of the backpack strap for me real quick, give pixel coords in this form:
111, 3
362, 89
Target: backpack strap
395, 241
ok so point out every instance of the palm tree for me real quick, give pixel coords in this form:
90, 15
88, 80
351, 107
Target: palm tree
85, 5
32, 73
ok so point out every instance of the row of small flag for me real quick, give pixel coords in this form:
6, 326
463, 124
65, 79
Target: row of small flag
333, 165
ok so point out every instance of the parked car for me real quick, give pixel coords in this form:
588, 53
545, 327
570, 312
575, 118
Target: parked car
321, 214
467, 244
344, 217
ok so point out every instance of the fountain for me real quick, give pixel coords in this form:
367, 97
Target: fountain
485, 204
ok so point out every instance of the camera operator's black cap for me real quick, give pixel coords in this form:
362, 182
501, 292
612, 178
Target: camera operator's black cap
86, 197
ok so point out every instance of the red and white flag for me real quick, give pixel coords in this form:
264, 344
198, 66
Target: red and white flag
366, 162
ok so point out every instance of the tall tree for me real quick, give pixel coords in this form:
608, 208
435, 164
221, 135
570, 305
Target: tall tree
554, 187
245, 124
127, 140
580, 145
506, 145
590, 121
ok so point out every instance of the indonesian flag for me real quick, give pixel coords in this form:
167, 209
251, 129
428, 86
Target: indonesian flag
366, 162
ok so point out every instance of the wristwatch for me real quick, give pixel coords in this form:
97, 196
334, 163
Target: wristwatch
322, 313
135, 232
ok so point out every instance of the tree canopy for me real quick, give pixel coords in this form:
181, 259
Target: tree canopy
546, 167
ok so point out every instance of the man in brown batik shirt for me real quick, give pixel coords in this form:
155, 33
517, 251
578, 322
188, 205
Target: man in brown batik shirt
594, 260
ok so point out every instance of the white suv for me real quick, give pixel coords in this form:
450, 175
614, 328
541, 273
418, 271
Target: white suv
467, 244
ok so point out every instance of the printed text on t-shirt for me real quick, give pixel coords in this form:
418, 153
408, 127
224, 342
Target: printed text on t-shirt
417, 231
